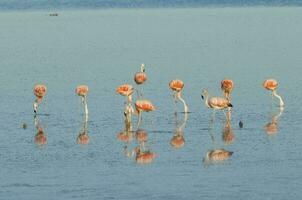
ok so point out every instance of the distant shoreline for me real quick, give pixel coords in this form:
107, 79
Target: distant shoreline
51, 9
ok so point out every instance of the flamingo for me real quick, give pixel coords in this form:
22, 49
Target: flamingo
143, 106
177, 86
272, 84
40, 92
227, 87
126, 90
217, 103
140, 77
82, 91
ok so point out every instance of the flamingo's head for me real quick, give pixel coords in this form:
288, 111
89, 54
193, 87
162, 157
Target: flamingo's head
204, 93
142, 67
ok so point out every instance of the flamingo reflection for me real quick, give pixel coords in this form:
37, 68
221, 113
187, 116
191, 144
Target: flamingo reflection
218, 154
178, 140
40, 137
271, 128
142, 153
227, 132
83, 137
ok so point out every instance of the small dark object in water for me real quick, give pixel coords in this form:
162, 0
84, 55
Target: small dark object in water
24, 126
240, 124
53, 14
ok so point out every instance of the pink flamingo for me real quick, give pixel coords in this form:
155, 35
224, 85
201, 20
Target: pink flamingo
227, 86
126, 90
272, 84
177, 86
143, 106
140, 77
40, 92
82, 91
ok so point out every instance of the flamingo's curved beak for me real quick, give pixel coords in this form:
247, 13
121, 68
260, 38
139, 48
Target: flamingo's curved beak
202, 96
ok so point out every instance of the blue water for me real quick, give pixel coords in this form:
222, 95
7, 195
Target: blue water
103, 49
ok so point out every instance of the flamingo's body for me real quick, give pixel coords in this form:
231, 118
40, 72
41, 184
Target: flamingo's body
216, 103
125, 90
177, 86
140, 77
272, 85
227, 86
143, 106
40, 92
82, 91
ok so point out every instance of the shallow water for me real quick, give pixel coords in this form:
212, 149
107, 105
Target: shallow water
103, 49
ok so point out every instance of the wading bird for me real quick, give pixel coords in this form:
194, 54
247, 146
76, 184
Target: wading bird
217, 103
227, 87
139, 78
143, 106
177, 86
82, 91
39, 91
272, 84
126, 90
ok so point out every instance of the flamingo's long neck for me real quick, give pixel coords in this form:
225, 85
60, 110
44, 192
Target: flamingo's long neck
142, 67
128, 108
139, 119
206, 96
36, 104
274, 93
186, 109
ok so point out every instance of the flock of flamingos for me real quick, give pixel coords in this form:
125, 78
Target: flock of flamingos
141, 105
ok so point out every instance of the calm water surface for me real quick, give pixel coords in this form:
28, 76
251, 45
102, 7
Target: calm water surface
103, 49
